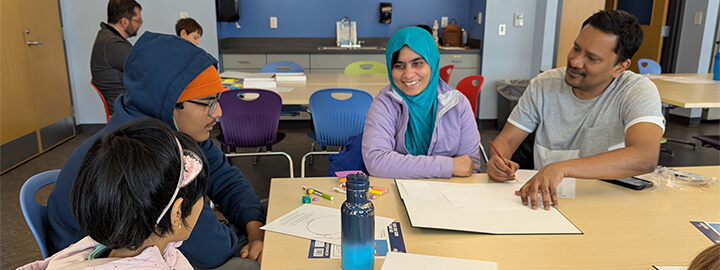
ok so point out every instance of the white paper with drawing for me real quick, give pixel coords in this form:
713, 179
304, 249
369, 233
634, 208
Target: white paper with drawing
317, 223
477, 207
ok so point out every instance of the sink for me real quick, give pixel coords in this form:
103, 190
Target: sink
335, 48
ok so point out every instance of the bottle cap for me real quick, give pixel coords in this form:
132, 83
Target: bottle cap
357, 182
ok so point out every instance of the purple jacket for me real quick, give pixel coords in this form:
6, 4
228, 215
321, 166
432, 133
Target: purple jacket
455, 134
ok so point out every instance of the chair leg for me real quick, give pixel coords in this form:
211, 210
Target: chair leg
482, 151
665, 150
310, 159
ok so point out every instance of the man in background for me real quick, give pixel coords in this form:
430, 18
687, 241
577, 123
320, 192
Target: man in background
111, 48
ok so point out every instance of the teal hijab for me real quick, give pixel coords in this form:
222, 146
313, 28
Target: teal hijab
423, 106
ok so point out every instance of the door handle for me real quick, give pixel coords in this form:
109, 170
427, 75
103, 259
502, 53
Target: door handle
30, 43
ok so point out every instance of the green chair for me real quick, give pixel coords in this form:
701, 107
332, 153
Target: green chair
365, 67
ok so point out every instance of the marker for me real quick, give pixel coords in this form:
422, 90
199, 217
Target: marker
317, 192
501, 157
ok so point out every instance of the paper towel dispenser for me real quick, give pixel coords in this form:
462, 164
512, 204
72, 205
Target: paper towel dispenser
385, 13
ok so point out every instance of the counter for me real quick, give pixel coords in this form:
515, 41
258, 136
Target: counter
312, 45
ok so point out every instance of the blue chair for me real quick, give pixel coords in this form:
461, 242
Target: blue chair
335, 120
35, 213
282, 66
648, 66
250, 120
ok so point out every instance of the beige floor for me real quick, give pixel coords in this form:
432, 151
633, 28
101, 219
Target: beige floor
17, 245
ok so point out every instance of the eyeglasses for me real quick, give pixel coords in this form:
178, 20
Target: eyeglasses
138, 20
212, 105
191, 166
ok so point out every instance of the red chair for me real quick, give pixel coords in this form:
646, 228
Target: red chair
107, 112
470, 87
445, 72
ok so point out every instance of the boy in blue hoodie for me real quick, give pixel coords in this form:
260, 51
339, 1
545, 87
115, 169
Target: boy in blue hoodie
172, 80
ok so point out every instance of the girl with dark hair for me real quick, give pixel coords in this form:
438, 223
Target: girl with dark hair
138, 195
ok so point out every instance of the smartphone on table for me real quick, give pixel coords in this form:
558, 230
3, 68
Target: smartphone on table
632, 183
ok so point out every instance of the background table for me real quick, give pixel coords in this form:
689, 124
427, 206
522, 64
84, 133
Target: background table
686, 95
300, 95
623, 228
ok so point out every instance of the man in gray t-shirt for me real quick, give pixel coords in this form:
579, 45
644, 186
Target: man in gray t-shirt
592, 119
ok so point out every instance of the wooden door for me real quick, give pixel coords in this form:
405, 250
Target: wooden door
652, 15
34, 91
574, 13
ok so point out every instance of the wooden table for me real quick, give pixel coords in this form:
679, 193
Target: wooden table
623, 228
685, 95
300, 95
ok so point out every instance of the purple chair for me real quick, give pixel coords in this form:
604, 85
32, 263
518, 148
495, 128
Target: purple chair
250, 119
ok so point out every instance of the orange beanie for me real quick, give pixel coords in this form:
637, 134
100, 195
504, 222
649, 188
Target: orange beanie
205, 84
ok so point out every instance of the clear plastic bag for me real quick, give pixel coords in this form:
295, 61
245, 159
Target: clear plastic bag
672, 179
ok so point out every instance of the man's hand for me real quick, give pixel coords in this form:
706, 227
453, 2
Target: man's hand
253, 250
254, 247
545, 183
498, 171
463, 166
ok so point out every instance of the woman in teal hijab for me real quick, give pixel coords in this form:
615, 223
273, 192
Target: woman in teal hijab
419, 126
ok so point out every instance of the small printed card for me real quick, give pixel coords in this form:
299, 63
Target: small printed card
709, 229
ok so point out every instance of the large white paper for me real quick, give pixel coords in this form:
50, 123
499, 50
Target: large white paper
395, 260
480, 207
316, 223
566, 189
418, 190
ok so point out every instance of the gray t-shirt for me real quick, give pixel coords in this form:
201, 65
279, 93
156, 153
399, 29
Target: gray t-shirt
568, 127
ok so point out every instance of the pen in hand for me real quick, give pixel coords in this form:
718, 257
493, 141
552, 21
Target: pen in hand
503, 159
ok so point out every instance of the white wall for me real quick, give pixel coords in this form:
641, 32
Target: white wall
81, 21
522, 52
695, 49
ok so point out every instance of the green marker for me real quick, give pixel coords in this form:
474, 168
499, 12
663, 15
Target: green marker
317, 192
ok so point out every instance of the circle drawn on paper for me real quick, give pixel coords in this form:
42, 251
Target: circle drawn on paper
327, 227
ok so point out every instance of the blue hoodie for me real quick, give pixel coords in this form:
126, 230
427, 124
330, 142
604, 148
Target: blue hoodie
157, 70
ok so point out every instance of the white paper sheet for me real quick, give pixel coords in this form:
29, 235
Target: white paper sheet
395, 260
418, 189
670, 267
317, 223
493, 208
566, 189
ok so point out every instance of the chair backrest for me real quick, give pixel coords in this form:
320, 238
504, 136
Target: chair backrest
648, 66
365, 67
445, 72
107, 112
336, 120
250, 117
470, 87
282, 66
35, 213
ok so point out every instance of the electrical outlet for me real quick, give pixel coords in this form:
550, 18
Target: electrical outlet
443, 22
501, 30
273, 22
698, 18
479, 18
183, 14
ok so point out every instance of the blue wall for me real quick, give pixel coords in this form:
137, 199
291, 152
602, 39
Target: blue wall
316, 18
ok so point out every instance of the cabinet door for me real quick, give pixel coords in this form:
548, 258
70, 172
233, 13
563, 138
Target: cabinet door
243, 62
460, 60
302, 59
336, 63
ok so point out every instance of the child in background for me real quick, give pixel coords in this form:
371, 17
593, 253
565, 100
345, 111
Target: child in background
708, 259
189, 29
138, 194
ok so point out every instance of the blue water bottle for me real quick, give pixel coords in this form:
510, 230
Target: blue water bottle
358, 225
716, 67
